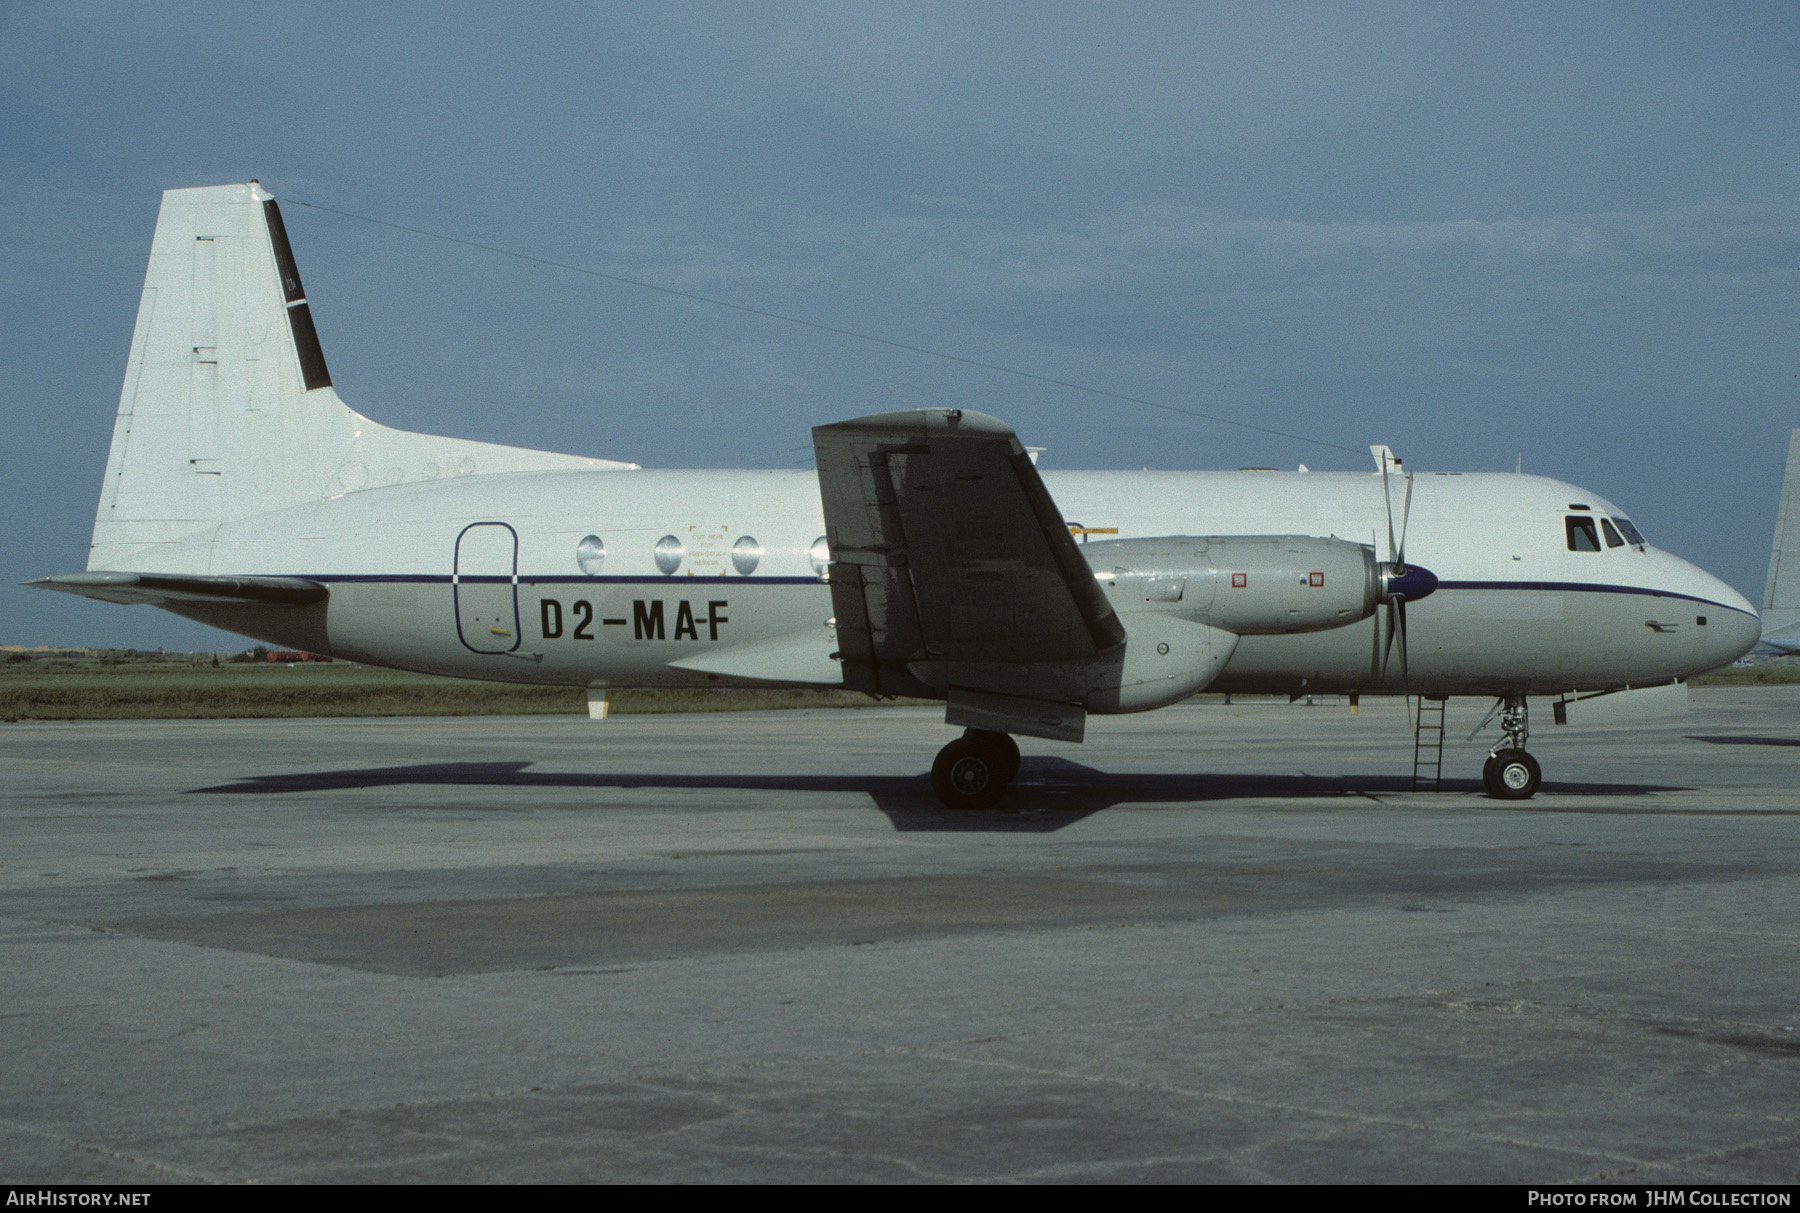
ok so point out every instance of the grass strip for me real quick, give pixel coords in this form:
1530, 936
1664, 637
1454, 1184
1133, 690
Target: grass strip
183, 688
176, 690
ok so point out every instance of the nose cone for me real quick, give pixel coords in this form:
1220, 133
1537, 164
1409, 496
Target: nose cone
1732, 624
1739, 631
1737, 634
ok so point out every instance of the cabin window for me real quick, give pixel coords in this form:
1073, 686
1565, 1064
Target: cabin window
590, 554
1612, 536
746, 553
1630, 532
1582, 536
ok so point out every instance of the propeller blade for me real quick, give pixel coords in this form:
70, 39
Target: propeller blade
1405, 518
1405, 667
1387, 499
1387, 647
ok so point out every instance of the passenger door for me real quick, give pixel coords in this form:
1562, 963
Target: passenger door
485, 586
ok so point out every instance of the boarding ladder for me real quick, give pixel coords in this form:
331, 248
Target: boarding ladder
1428, 743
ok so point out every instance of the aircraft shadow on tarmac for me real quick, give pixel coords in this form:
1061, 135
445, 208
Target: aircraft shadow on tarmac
1740, 739
1048, 794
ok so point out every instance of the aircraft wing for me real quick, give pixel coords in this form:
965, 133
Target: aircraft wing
157, 589
946, 547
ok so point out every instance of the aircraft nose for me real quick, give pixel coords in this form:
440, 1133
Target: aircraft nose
1734, 630
1738, 636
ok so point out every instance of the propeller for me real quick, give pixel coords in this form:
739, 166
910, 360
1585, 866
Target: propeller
1400, 582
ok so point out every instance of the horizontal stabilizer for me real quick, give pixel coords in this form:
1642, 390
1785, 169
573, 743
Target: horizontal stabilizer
160, 590
1786, 640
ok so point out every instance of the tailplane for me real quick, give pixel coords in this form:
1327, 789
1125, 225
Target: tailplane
1781, 596
228, 409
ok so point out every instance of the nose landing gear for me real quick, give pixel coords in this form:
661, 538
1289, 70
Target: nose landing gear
1510, 773
972, 772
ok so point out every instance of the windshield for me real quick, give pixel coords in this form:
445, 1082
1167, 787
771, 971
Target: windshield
1630, 532
1582, 536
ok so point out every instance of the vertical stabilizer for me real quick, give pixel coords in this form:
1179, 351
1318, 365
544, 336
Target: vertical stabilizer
228, 409
1781, 596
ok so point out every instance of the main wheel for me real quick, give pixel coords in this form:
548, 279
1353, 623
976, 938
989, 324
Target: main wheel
969, 774
1005, 750
1487, 776
1516, 775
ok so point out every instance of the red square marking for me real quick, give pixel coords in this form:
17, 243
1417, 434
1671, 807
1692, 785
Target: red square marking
1239, 580
1315, 579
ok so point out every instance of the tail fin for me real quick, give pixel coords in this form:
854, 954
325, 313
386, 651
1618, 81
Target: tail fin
228, 408
1781, 597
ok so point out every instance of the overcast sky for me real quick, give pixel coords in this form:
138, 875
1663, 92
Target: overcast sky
1562, 234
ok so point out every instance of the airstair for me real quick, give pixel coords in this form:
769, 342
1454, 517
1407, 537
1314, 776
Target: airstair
1428, 744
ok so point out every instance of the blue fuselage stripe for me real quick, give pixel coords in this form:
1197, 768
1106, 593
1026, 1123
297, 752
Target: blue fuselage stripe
534, 579
528, 579
1582, 587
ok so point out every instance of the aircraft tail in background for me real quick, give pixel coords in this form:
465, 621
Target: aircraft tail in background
1781, 596
228, 410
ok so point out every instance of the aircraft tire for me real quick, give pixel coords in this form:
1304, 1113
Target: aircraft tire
1006, 751
1487, 776
969, 774
1516, 775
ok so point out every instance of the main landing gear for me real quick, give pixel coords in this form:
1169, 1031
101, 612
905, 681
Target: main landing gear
972, 772
1510, 773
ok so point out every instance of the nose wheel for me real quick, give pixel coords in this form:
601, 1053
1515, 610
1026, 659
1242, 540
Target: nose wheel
1510, 773
972, 772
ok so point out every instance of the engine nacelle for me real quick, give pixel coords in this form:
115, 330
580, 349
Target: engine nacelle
1252, 585
1166, 659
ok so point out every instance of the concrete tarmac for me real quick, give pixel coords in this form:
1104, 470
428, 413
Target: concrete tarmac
1216, 943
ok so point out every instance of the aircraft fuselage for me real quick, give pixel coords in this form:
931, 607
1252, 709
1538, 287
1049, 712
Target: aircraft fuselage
484, 577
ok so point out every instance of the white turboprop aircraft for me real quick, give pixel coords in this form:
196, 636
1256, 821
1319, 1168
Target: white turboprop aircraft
926, 557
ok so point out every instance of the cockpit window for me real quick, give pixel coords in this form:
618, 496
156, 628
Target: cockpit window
1612, 536
1582, 535
1630, 532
